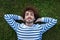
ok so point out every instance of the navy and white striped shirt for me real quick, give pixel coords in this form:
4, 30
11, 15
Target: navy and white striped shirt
25, 32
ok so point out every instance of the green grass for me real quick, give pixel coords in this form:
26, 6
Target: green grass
49, 8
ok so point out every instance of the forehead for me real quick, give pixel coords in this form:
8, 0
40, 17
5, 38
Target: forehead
29, 11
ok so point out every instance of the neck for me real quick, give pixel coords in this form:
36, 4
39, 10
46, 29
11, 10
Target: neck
29, 24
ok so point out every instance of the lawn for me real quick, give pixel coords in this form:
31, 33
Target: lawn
46, 8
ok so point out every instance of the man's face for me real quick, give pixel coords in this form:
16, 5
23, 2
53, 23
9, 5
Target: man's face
29, 16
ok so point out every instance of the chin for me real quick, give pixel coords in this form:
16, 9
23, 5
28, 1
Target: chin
29, 21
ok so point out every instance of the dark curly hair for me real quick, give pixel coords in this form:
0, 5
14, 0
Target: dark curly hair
36, 15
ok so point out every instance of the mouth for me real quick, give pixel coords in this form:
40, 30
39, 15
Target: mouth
29, 18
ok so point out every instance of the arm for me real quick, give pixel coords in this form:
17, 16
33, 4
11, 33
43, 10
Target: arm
49, 23
10, 18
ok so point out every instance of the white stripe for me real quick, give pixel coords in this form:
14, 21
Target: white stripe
28, 33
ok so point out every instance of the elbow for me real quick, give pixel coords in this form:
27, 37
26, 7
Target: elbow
6, 16
54, 21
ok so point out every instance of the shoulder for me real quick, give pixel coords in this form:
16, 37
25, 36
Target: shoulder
37, 25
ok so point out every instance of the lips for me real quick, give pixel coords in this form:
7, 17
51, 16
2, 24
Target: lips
29, 18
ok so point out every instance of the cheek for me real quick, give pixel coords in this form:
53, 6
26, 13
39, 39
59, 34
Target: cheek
26, 17
33, 17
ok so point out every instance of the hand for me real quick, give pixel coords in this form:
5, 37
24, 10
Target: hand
22, 19
38, 20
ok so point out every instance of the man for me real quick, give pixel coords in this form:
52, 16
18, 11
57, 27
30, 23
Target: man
28, 30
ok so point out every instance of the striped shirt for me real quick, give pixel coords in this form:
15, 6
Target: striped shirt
25, 32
